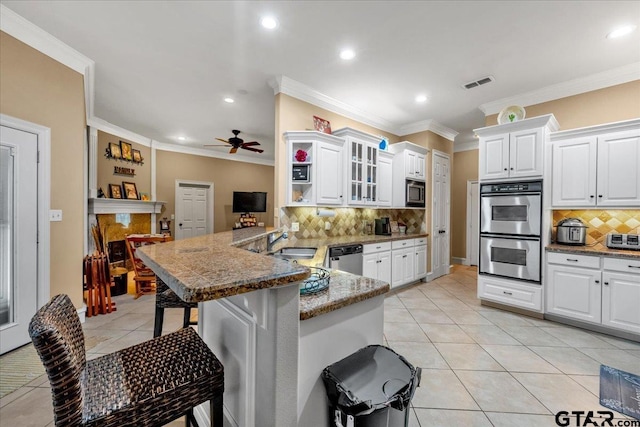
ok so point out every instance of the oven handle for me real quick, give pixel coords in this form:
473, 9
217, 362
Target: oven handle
533, 193
509, 237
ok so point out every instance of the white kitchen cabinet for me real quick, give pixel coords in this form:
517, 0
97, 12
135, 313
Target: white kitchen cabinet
514, 150
361, 172
597, 166
376, 261
594, 289
421, 261
385, 178
402, 262
409, 163
510, 292
329, 183
316, 180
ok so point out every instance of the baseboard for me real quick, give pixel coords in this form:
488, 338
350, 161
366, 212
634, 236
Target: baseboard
429, 277
81, 312
458, 260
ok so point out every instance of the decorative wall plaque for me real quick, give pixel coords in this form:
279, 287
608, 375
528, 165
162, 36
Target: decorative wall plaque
118, 170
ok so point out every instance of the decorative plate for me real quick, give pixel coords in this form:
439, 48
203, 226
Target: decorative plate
513, 113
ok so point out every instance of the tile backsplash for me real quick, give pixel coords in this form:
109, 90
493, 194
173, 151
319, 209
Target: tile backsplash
602, 222
347, 221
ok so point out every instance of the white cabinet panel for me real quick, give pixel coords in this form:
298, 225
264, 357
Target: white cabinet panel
370, 266
574, 292
494, 157
517, 294
574, 172
525, 153
621, 301
619, 169
409, 266
397, 268
377, 265
421, 261
385, 178
329, 174
384, 266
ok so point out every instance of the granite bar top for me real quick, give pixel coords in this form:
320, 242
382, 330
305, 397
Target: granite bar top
597, 251
322, 244
209, 267
344, 289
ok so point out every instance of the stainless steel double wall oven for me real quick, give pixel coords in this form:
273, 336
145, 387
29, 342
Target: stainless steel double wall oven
510, 217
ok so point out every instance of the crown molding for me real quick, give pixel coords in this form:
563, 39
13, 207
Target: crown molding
577, 86
34, 36
430, 125
115, 130
548, 120
209, 153
622, 126
283, 84
465, 146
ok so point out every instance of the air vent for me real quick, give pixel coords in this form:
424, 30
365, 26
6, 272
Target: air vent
482, 81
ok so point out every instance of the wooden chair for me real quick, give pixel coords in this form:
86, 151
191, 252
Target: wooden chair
144, 277
149, 384
98, 284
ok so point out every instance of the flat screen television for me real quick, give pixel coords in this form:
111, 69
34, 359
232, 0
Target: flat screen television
245, 202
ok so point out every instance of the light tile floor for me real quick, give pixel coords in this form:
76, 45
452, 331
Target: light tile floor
481, 366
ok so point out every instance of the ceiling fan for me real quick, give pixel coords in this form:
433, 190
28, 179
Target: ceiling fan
238, 143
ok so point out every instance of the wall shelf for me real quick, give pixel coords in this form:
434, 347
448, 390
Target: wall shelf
117, 206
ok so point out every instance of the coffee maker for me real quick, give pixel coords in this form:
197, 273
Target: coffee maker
383, 227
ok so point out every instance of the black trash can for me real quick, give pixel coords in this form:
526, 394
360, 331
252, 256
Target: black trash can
373, 387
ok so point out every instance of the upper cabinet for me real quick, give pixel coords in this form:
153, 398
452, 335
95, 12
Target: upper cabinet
361, 171
385, 178
598, 166
314, 168
409, 163
514, 150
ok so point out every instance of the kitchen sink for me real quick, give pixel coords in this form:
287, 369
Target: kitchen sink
295, 253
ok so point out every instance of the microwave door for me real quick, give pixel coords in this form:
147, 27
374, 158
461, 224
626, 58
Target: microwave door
511, 214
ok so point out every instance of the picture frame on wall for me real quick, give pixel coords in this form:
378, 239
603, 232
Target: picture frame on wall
115, 191
130, 190
127, 150
137, 157
114, 151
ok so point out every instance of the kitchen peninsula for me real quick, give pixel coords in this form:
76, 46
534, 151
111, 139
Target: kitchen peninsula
272, 342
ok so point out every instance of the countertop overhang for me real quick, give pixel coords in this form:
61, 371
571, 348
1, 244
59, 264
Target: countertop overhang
588, 250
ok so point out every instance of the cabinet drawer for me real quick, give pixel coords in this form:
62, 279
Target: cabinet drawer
586, 261
506, 292
399, 244
420, 241
622, 265
376, 247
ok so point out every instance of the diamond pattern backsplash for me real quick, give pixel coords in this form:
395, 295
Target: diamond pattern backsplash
602, 222
347, 221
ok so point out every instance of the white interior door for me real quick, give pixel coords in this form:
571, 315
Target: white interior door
194, 210
18, 235
473, 219
440, 217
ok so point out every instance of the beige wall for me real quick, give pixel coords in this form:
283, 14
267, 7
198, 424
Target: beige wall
106, 176
465, 166
227, 176
612, 104
35, 88
431, 141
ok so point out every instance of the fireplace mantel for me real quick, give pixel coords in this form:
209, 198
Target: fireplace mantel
118, 206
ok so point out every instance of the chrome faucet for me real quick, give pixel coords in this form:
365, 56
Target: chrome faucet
272, 240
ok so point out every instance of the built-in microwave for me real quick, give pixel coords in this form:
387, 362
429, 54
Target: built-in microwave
415, 194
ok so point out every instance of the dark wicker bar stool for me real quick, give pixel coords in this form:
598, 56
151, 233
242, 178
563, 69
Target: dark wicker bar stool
149, 384
166, 298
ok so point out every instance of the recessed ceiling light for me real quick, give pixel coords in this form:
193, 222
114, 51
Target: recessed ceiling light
421, 98
182, 138
229, 100
622, 31
269, 22
347, 54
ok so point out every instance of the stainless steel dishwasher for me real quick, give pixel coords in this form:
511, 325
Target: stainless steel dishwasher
346, 258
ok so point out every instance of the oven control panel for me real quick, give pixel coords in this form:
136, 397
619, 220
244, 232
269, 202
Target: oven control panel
623, 241
513, 187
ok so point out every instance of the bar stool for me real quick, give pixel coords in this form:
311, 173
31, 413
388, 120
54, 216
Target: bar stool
166, 298
148, 384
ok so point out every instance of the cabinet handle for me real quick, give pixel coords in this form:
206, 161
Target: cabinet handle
591, 196
634, 266
507, 293
600, 195
511, 168
378, 247
606, 283
505, 168
572, 260
597, 282
404, 256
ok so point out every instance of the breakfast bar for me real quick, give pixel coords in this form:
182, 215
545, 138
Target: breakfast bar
272, 342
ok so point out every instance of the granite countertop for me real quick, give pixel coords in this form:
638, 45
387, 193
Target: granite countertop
596, 251
209, 267
322, 244
344, 289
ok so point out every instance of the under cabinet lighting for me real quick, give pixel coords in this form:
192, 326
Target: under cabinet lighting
622, 31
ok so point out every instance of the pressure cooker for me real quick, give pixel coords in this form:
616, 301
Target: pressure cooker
571, 231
